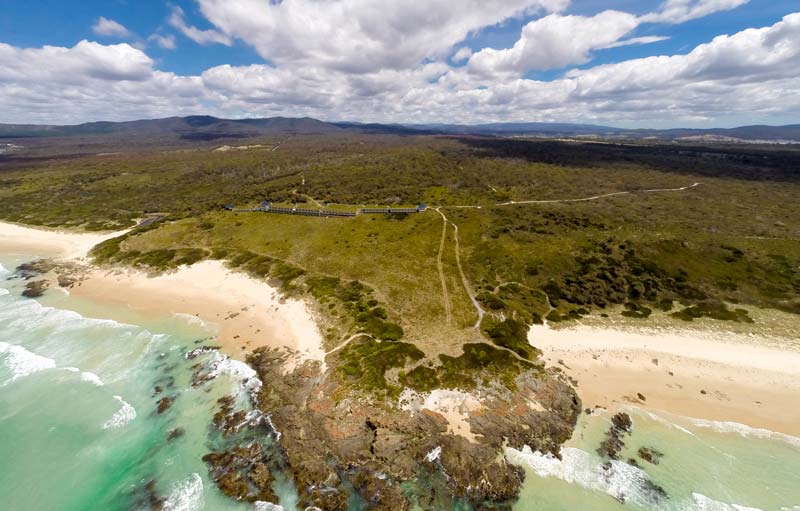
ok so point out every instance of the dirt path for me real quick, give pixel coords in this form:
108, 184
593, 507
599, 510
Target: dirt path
464, 279
440, 266
346, 342
583, 199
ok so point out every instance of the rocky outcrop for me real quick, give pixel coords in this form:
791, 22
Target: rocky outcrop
242, 473
621, 425
338, 443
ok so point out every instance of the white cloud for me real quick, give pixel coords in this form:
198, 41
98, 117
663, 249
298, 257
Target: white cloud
361, 36
164, 41
52, 64
680, 11
178, 20
638, 40
463, 53
110, 28
554, 42
745, 77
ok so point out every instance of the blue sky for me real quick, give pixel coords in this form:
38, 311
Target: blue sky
388, 61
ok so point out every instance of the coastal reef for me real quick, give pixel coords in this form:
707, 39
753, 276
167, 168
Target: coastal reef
389, 453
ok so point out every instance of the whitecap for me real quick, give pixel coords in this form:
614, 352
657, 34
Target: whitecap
22, 362
86, 376
3, 269
662, 420
434, 455
617, 479
245, 376
266, 506
122, 417
91, 378
186, 495
704, 503
4, 292
746, 431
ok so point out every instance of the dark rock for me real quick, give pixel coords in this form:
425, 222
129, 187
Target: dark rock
641, 396
164, 404
621, 425
200, 351
65, 281
35, 289
651, 455
146, 497
243, 473
175, 434
622, 421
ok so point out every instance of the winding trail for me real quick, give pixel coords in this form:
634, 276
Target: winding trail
583, 199
464, 279
346, 342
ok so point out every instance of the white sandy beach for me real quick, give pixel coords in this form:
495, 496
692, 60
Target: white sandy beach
246, 313
717, 376
49, 243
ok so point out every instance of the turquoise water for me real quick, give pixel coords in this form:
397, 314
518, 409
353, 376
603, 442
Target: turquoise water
78, 429
77, 424
707, 466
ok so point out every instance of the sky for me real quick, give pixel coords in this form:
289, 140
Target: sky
626, 63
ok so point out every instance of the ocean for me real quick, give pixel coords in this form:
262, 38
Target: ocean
79, 429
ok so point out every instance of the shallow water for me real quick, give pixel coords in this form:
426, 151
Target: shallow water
707, 466
78, 429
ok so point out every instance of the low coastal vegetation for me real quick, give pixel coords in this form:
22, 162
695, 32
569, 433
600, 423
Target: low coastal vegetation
516, 233
692, 254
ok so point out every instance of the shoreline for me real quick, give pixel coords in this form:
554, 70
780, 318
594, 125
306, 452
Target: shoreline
244, 312
713, 375
61, 244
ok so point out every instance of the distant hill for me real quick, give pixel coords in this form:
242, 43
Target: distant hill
187, 128
207, 128
751, 134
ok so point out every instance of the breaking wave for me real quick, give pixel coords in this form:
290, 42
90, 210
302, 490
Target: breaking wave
186, 495
617, 479
247, 379
746, 431
21, 362
86, 376
122, 417
703, 503
91, 378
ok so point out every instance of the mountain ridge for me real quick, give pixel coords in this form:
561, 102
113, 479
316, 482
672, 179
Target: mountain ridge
205, 127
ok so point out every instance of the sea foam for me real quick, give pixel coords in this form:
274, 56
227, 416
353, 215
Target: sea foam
21, 362
746, 431
617, 479
245, 376
122, 417
703, 503
91, 378
186, 495
266, 506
